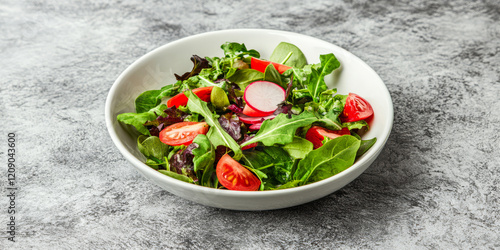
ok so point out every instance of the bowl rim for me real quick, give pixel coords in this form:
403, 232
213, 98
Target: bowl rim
367, 157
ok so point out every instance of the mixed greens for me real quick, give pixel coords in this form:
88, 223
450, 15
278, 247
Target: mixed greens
243, 123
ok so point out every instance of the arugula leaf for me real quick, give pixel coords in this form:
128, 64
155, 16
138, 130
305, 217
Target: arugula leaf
281, 129
316, 82
330, 120
138, 119
332, 158
289, 55
237, 50
217, 135
243, 77
298, 148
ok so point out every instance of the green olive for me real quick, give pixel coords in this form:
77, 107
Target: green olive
218, 97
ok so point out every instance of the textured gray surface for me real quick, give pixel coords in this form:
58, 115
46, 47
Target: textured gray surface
435, 185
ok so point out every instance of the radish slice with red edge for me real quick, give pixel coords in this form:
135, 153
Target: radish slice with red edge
252, 120
255, 126
264, 96
252, 112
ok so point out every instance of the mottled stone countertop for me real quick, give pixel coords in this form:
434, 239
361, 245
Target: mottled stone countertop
435, 185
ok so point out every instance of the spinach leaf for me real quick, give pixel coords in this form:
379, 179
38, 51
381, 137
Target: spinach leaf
271, 74
281, 129
281, 172
288, 54
176, 176
332, 158
243, 77
298, 148
152, 147
365, 146
151, 98
217, 135
273, 165
316, 82
138, 119
290, 184
156, 164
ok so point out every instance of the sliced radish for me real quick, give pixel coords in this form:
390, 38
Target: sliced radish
252, 120
264, 96
252, 112
255, 126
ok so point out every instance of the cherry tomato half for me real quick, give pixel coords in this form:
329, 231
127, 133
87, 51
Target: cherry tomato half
182, 133
233, 176
182, 100
316, 135
356, 108
260, 65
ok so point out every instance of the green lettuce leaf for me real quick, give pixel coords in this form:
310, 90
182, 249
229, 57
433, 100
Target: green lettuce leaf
298, 148
138, 119
332, 158
243, 77
271, 74
273, 166
204, 154
365, 146
204, 157
152, 98
152, 147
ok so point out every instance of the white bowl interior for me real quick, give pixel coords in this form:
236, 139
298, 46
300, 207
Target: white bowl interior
157, 68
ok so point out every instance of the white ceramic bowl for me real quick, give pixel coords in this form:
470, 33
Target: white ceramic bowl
157, 68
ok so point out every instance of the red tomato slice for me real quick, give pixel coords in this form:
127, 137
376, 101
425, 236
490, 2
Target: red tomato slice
316, 135
260, 65
356, 108
182, 100
182, 133
234, 176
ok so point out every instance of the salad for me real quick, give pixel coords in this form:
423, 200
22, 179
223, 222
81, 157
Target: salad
240, 122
